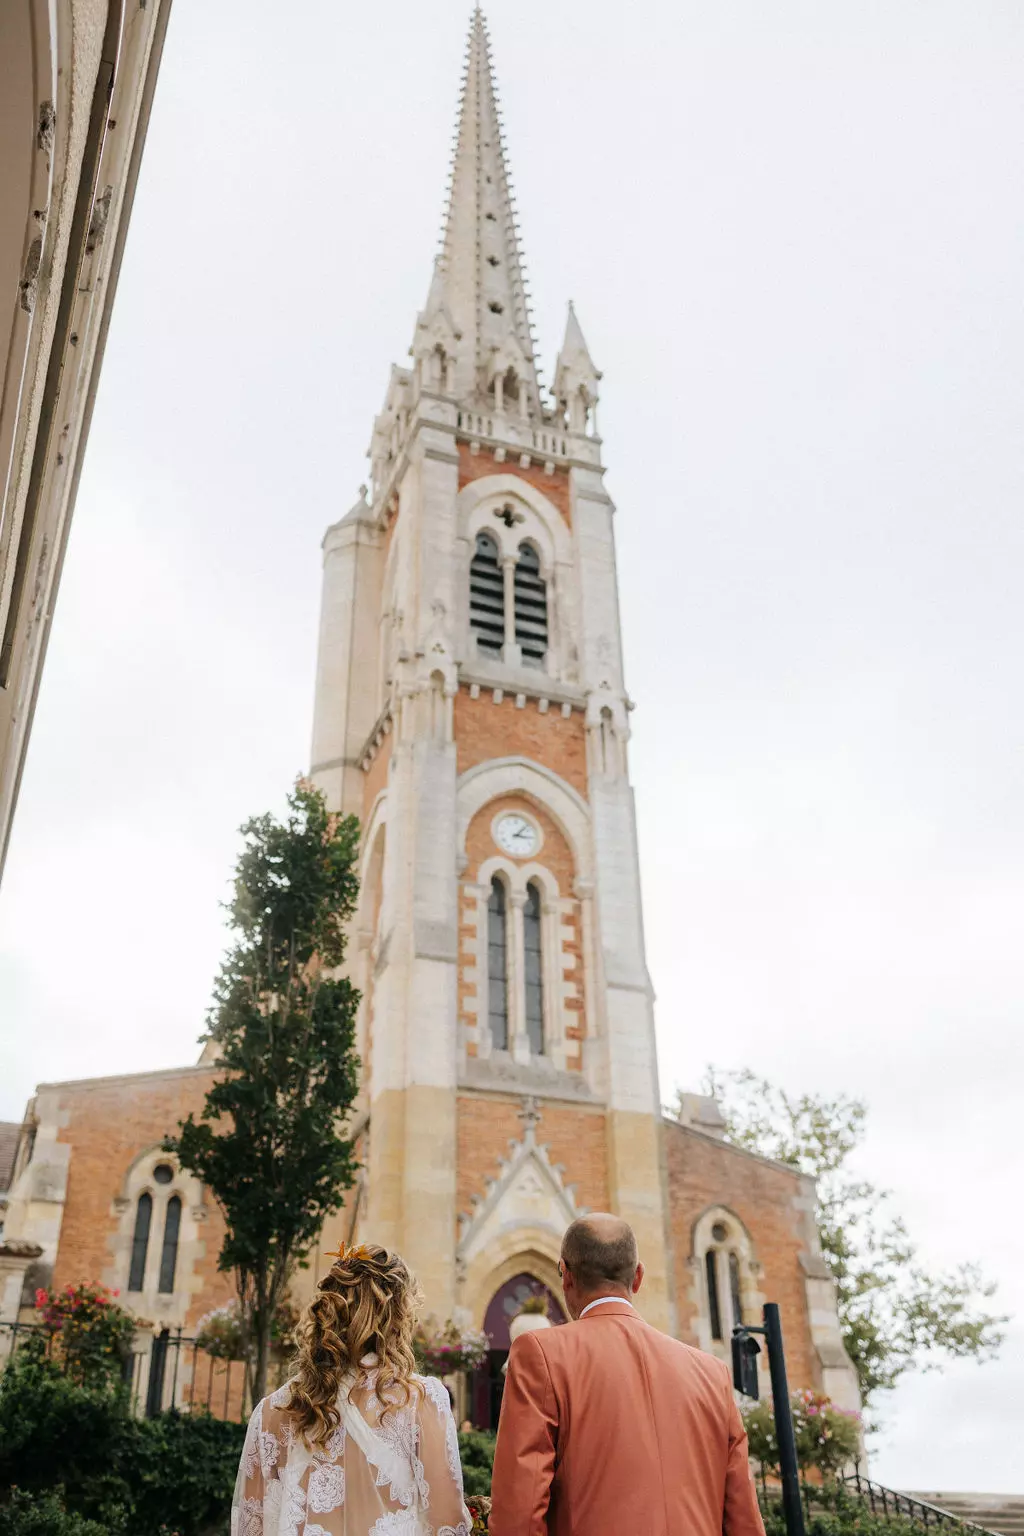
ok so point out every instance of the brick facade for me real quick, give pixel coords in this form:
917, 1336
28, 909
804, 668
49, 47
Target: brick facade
555, 486
704, 1172
108, 1124
485, 730
575, 1138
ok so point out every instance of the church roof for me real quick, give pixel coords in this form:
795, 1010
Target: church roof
479, 275
9, 1133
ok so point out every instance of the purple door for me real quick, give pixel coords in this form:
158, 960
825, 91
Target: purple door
486, 1384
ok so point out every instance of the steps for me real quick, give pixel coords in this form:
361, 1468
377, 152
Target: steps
999, 1512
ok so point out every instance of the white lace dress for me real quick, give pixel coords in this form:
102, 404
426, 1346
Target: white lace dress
397, 1476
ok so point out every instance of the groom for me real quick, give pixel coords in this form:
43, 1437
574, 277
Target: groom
610, 1428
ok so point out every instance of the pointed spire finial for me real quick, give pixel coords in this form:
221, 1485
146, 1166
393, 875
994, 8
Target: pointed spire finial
479, 276
576, 377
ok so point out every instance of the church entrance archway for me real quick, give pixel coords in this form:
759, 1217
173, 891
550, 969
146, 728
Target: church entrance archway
487, 1383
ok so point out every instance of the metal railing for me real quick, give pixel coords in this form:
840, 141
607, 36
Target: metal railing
888, 1502
884, 1503
164, 1370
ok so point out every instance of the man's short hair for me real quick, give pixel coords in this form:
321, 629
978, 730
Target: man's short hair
600, 1249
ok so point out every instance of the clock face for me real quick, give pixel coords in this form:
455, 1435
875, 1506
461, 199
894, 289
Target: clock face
516, 836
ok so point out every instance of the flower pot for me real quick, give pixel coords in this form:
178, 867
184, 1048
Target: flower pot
527, 1322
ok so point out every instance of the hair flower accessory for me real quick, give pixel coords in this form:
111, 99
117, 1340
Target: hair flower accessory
345, 1254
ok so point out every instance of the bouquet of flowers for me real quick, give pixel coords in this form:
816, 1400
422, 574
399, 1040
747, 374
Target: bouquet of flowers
480, 1509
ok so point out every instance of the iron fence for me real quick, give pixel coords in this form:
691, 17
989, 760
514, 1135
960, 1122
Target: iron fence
885, 1503
164, 1370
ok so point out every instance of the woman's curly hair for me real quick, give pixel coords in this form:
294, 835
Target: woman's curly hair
366, 1304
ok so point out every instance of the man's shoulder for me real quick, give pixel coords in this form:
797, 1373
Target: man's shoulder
556, 1343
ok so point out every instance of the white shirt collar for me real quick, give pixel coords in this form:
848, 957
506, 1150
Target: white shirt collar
600, 1302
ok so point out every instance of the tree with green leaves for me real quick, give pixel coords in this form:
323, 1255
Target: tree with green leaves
894, 1312
270, 1141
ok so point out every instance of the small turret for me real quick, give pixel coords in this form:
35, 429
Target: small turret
576, 380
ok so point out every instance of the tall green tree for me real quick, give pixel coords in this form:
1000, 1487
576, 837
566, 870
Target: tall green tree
895, 1313
270, 1141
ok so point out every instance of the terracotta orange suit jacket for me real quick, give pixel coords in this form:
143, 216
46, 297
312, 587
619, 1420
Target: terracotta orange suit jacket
610, 1428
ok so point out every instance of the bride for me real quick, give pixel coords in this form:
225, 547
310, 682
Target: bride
355, 1444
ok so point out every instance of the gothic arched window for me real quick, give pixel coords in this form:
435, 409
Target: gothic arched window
714, 1305
140, 1242
497, 966
531, 599
487, 596
169, 1251
533, 970
734, 1289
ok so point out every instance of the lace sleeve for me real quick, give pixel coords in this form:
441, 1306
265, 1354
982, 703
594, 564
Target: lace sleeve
247, 1504
445, 1508
257, 1487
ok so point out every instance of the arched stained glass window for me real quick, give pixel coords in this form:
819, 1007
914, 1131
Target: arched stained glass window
734, 1289
140, 1242
497, 966
533, 970
531, 595
714, 1306
487, 596
169, 1251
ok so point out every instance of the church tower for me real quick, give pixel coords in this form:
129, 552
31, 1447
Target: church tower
471, 710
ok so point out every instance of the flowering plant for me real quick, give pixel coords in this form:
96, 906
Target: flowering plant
90, 1332
534, 1305
827, 1437
443, 1348
219, 1333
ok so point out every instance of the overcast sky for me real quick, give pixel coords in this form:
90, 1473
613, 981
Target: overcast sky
794, 234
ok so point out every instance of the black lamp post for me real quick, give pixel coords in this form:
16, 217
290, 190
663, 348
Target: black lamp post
745, 1350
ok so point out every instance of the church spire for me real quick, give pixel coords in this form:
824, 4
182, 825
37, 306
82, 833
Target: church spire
479, 282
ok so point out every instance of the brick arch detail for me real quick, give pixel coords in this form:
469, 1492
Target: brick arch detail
554, 870
503, 776
752, 1299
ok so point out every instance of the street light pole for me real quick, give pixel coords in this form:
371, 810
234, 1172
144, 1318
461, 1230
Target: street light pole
744, 1355
789, 1470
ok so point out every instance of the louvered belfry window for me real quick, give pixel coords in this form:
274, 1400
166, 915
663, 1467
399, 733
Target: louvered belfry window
531, 608
487, 597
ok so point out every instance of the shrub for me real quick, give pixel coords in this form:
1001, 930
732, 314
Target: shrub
827, 1437
172, 1473
89, 1332
476, 1452
44, 1514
